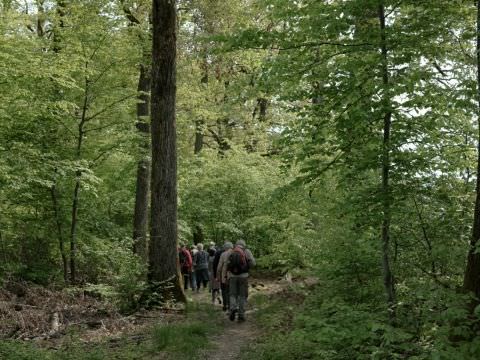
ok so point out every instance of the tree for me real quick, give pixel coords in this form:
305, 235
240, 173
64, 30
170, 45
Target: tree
140, 24
163, 255
471, 280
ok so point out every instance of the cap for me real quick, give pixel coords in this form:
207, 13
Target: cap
241, 243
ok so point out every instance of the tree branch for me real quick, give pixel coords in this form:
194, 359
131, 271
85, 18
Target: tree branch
109, 106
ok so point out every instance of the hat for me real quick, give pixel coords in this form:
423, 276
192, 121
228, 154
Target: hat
241, 243
227, 245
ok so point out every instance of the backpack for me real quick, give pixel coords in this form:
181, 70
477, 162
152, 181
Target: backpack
237, 262
183, 258
201, 259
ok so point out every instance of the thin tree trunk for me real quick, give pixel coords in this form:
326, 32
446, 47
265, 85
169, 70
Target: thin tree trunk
200, 123
426, 238
58, 223
73, 231
78, 174
40, 18
199, 129
198, 235
140, 216
163, 255
388, 280
57, 37
471, 281
261, 109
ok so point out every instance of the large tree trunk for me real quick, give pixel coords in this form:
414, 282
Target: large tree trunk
163, 255
471, 282
140, 216
388, 280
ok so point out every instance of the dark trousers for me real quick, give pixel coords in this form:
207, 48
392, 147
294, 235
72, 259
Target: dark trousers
225, 296
202, 277
189, 278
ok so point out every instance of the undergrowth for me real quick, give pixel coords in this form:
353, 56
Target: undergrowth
322, 324
187, 338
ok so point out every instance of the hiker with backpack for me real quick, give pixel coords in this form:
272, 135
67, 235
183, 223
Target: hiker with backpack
200, 264
240, 260
222, 273
186, 267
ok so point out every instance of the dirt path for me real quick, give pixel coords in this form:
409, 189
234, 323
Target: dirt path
236, 337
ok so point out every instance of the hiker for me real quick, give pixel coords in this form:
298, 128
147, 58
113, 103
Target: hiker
239, 263
193, 250
212, 246
200, 264
186, 267
222, 274
213, 285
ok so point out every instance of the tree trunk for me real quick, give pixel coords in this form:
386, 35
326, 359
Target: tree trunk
388, 280
163, 256
58, 223
76, 191
73, 230
200, 123
140, 216
198, 235
57, 29
260, 109
199, 128
471, 281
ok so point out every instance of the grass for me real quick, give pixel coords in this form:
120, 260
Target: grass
275, 316
186, 338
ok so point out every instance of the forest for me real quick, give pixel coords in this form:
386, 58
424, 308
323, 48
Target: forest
339, 139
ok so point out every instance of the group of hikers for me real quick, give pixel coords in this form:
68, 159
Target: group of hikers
224, 269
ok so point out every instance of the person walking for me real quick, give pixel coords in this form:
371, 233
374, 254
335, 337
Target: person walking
200, 261
186, 267
213, 285
240, 260
222, 273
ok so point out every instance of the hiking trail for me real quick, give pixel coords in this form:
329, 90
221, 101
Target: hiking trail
236, 336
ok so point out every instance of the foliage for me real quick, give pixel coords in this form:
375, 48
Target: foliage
282, 141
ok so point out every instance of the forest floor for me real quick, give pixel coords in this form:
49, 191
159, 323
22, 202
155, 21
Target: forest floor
90, 329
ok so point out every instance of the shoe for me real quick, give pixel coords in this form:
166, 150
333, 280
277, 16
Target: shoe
241, 318
219, 301
232, 315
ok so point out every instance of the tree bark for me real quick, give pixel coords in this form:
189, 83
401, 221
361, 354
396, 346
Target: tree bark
471, 281
140, 216
388, 279
163, 256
